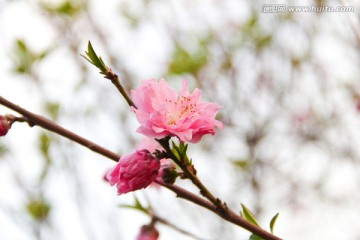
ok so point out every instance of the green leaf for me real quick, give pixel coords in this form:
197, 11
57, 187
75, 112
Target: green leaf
183, 148
243, 164
175, 150
253, 21
44, 145
38, 209
3, 150
255, 237
272, 222
190, 162
180, 152
249, 215
137, 206
45, 141
129, 206
173, 144
23, 58
263, 41
94, 59
69, 8
52, 108
184, 61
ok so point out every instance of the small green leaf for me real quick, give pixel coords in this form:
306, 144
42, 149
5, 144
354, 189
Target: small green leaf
128, 206
94, 59
52, 108
184, 61
137, 206
173, 144
23, 57
138, 203
255, 237
243, 164
180, 152
38, 209
249, 215
190, 162
272, 222
186, 147
175, 150
45, 142
68, 8
253, 21
263, 41
183, 149
3, 150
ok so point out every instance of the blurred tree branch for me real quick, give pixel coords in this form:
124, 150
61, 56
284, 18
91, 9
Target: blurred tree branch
225, 213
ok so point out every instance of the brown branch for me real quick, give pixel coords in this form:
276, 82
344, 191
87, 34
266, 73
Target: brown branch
173, 226
225, 213
34, 119
114, 78
191, 174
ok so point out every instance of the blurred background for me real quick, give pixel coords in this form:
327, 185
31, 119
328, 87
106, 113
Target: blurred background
288, 84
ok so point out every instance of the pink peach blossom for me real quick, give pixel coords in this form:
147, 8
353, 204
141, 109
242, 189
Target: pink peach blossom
148, 232
134, 171
161, 111
4, 126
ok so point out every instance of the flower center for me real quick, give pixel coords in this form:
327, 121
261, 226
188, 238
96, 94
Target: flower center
181, 108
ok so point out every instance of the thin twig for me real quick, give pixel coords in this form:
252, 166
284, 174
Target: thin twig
227, 215
114, 78
193, 178
34, 119
167, 223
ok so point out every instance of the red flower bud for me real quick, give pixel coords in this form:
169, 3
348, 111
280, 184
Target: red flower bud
134, 171
358, 105
148, 232
4, 125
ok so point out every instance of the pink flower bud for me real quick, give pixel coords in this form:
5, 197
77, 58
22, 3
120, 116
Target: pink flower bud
148, 232
4, 125
167, 173
134, 171
358, 106
161, 112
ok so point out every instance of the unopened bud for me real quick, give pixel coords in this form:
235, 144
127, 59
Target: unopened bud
167, 173
134, 171
4, 125
358, 105
148, 232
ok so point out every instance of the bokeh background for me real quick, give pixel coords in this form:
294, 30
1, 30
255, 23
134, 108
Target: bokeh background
288, 83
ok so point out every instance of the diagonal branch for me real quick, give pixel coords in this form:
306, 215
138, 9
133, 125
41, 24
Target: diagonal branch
34, 119
227, 215
173, 226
